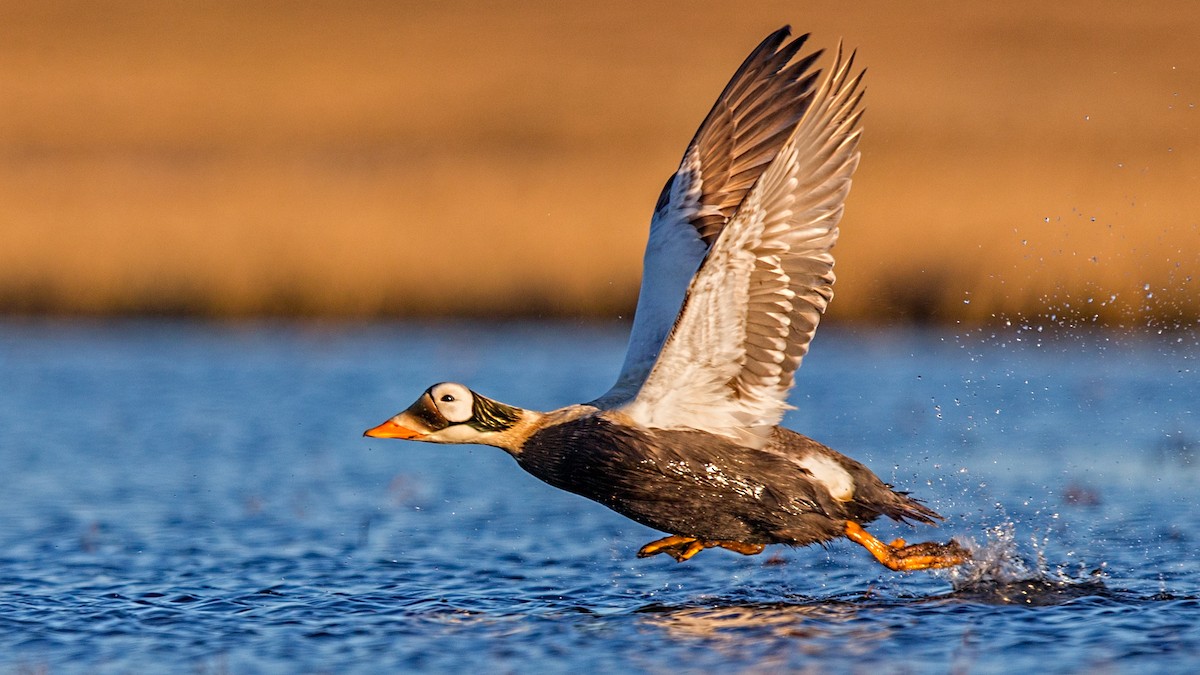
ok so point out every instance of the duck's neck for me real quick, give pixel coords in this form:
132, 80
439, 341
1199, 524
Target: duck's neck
513, 436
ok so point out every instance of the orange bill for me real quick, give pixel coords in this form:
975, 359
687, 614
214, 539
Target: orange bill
390, 429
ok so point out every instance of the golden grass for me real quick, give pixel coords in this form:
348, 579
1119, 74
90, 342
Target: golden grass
385, 158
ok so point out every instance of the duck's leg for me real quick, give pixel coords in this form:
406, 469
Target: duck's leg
676, 546
738, 547
681, 548
905, 558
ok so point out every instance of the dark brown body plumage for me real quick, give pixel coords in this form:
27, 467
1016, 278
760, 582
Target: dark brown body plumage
699, 485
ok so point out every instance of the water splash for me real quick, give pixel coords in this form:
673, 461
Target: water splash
998, 573
998, 560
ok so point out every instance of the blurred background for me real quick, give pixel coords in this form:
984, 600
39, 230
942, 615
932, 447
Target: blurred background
208, 503
1028, 160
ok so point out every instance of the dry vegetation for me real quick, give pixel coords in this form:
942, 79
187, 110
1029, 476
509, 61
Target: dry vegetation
368, 159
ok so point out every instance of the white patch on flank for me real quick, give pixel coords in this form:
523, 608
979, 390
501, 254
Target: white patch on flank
829, 473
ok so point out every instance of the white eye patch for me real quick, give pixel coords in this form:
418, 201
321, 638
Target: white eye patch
455, 402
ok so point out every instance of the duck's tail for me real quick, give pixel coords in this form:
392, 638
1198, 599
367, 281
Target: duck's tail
870, 504
905, 509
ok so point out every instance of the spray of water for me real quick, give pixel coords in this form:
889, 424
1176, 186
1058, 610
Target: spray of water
1000, 573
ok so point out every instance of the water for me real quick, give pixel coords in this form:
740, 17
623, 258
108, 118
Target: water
192, 497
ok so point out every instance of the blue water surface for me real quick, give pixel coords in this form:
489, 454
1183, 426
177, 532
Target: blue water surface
198, 497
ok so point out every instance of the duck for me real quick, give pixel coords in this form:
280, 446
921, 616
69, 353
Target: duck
737, 273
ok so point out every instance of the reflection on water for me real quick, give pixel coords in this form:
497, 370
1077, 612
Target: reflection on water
739, 623
862, 629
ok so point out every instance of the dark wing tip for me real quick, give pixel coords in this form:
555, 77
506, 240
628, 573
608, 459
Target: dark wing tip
749, 122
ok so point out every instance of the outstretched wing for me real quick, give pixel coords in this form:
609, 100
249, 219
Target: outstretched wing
742, 134
752, 309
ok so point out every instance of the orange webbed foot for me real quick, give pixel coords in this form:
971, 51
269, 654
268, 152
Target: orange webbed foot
904, 557
678, 547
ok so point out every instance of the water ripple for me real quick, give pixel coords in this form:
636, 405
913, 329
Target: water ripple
213, 508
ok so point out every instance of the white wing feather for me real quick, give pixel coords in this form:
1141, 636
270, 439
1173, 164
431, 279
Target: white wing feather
750, 121
674, 252
754, 305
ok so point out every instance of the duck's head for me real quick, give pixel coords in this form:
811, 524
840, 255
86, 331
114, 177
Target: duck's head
448, 412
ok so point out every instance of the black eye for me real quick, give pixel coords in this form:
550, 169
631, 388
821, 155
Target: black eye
446, 398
